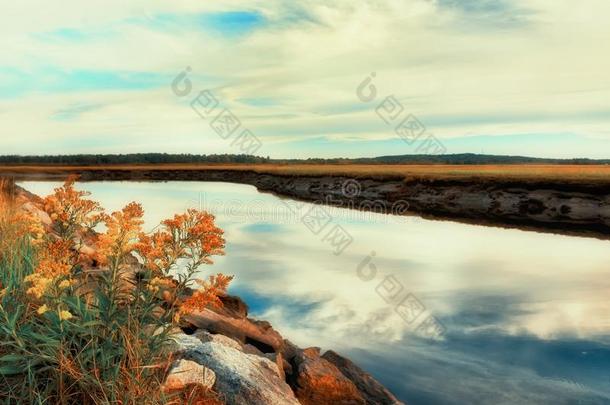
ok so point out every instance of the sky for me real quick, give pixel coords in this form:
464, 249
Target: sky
313, 78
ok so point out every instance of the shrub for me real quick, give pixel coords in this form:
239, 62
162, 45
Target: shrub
85, 316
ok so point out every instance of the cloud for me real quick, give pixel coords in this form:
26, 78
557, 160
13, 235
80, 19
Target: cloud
75, 111
486, 14
290, 71
50, 80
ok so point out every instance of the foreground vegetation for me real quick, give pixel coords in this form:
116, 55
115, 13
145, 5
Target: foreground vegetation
85, 317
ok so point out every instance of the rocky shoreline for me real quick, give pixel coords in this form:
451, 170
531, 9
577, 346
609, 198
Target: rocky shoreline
565, 208
246, 361
251, 363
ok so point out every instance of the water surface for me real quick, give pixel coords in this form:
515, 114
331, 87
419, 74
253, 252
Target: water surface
519, 317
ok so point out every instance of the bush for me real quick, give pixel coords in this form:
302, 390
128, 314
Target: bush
86, 317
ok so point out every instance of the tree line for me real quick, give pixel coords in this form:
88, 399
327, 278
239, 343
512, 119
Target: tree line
167, 158
126, 159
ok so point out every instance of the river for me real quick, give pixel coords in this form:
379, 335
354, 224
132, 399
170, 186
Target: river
440, 312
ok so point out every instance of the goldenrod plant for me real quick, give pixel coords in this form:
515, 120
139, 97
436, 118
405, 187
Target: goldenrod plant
88, 302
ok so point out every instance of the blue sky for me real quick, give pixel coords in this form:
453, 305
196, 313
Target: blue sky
501, 77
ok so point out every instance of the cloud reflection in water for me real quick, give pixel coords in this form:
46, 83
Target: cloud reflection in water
526, 313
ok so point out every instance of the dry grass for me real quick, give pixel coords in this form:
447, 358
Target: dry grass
582, 174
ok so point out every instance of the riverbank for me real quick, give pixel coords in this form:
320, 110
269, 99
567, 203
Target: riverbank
564, 199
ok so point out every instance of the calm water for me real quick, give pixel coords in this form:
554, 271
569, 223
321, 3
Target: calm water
525, 316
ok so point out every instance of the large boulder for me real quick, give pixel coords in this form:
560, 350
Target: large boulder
182, 343
242, 379
372, 391
279, 361
319, 382
206, 336
185, 373
257, 333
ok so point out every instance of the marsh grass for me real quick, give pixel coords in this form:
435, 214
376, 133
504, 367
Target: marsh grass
587, 175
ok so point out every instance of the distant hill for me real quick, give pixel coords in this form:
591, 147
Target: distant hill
475, 159
165, 158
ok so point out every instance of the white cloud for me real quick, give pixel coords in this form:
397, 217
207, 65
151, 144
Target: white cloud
309, 58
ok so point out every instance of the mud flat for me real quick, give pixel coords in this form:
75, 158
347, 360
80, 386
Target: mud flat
547, 205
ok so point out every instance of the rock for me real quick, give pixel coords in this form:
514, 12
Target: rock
289, 350
186, 372
181, 342
319, 382
206, 336
279, 361
23, 194
234, 306
42, 216
155, 330
372, 391
245, 330
248, 348
288, 371
243, 379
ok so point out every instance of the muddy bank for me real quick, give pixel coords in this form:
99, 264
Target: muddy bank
571, 208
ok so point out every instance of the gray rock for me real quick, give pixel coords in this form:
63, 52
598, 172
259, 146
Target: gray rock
279, 361
186, 373
181, 342
206, 336
243, 379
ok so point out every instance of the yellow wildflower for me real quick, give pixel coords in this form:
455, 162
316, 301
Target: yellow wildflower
39, 285
65, 315
65, 284
41, 310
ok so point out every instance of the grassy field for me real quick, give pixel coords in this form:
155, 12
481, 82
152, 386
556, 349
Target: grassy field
582, 174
